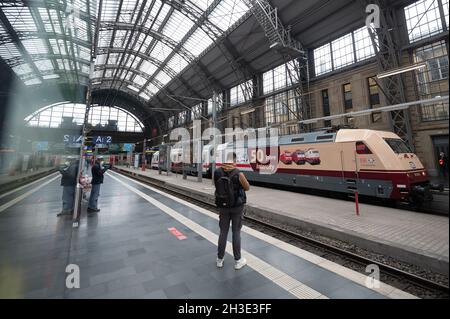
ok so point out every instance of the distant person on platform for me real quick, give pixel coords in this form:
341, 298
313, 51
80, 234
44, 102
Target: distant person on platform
231, 186
443, 165
69, 173
98, 171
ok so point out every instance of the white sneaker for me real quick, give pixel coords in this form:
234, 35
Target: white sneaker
219, 263
240, 263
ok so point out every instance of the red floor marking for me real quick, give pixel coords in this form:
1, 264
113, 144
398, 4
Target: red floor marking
176, 233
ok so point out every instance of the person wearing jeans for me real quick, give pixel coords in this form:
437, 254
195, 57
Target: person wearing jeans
98, 172
232, 214
68, 182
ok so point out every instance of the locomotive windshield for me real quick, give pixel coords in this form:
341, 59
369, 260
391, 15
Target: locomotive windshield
398, 145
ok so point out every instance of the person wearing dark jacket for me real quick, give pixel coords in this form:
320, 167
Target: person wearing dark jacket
234, 213
68, 182
97, 179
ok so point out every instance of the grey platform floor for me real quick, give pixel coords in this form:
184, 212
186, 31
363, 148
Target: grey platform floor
126, 251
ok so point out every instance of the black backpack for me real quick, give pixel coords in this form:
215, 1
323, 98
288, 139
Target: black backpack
226, 192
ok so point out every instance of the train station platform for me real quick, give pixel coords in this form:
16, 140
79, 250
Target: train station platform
412, 237
147, 244
10, 181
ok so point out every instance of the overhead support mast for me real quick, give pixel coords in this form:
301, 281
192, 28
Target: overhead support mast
385, 41
78, 190
290, 49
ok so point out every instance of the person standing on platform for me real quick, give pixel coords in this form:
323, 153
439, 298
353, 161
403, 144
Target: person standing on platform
231, 186
98, 172
69, 174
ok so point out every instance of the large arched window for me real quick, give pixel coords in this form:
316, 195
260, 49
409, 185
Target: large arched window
71, 115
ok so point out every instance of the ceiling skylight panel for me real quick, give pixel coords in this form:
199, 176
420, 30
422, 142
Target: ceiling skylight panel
98, 74
227, 13
163, 78
35, 46
129, 11
85, 69
152, 14
132, 59
57, 47
148, 67
20, 18
80, 29
108, 73
109, 10
33, 81
142, 38
45, 19
132, 87
177, 63
22, 69
120, 38
113, 58
54, 20
44, 65
50, 76
161, 16
203, 4
63, 64
152, 88
144, 96
9, 51
177, 26
161, 51
198, 42
84, 53
139, 80
101, 59
104, 38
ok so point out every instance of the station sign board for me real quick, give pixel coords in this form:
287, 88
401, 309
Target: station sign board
76, 140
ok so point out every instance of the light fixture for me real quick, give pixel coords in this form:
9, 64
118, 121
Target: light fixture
273, 45
401, 70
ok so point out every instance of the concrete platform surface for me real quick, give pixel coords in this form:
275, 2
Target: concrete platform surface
417, 238
128, 251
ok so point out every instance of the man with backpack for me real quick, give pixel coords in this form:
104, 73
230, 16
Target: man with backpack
231, 186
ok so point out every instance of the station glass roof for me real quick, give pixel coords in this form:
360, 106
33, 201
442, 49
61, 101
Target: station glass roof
142, 44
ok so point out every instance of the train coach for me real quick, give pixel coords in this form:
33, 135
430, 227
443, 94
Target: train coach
374, 163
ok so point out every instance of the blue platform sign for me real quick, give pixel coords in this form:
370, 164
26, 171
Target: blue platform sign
128, 147
104, 140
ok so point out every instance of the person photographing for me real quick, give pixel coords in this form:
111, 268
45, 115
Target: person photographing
230, 196
98, 172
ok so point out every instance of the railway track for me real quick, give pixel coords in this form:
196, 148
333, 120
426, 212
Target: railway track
407, 281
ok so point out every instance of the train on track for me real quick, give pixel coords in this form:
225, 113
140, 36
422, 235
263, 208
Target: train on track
373, 163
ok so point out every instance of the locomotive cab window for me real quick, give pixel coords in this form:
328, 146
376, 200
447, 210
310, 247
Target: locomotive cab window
362, 148
397, 145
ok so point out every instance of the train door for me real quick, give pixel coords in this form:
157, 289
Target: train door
349, 167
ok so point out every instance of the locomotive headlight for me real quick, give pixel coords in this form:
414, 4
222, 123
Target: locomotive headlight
424, 173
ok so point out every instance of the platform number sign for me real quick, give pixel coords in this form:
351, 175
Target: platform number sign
72, 139
373, 279
102, 140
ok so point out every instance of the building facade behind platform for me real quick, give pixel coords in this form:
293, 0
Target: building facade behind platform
341, 81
